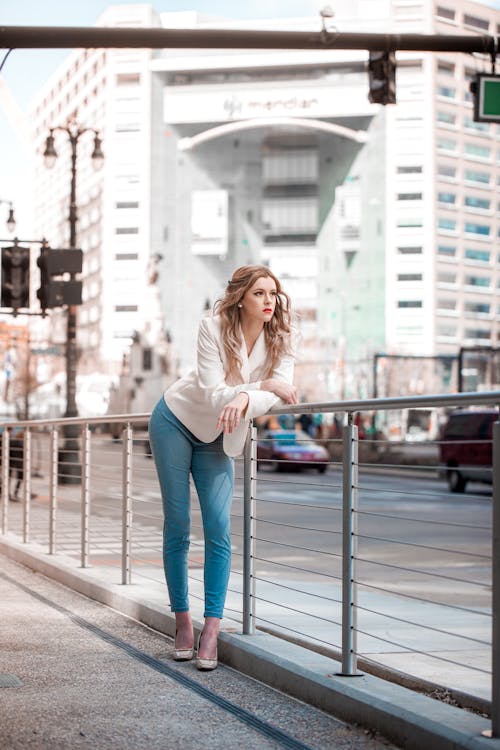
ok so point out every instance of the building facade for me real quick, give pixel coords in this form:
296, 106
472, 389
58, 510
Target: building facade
381, 221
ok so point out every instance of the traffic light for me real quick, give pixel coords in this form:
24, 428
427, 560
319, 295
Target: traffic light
382, 77
54, 291
15, 277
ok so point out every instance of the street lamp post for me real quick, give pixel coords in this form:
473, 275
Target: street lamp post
11, 221
69, 454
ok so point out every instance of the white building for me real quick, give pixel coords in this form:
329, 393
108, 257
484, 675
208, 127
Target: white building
381, 221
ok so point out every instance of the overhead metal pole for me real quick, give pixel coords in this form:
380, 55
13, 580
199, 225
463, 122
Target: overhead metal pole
45, 37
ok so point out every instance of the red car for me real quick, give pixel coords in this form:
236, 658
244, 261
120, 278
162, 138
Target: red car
466, 447
289, 449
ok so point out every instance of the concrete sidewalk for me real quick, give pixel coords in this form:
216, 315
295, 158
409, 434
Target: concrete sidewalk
76, 674
108, 686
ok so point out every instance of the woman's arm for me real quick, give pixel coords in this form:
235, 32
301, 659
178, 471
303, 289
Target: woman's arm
287, 392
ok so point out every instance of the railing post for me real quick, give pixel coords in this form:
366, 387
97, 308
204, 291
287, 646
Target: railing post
349, 546
127, 448
27, 485
85, 501
53, 463
5, 479
249, 487
495, 656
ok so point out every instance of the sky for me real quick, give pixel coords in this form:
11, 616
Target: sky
25, 71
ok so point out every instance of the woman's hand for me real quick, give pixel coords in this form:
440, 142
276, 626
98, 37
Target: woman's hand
285, 391
230, 416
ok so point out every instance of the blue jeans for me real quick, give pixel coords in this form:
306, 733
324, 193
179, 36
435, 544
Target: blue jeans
177, 454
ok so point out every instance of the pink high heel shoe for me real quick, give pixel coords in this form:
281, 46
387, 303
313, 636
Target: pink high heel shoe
182, 654
205, 664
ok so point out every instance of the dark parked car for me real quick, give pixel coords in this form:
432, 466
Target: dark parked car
466, 447
290, 449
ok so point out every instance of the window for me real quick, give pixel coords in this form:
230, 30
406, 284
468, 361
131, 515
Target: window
482, 127
449, 198
445, 277
449, 225
409, 277
447, 91
147, 358
126, 308
408, 169
292, 215
447, 144
477, 333
475, 22
446, 118
127, 79
448, 332
481, 281
127, 204
297, 166
479, 152
126, 256
445, 170
410, 222
481, 255
446, 68
478, 308
446, 304
410, 250
127, 230
482, 177
406, 303
409, 196
473, 202
482, 229
447, 13
447, 250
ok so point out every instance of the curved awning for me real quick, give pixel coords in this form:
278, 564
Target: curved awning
185, 144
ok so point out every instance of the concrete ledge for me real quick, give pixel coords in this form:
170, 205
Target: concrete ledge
408, 719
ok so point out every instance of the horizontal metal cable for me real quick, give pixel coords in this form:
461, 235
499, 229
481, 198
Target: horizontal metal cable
421, 599
281, 482
297, 611
423, 653
423, 546
410, 467
434, 495
297, 632
141, 514
420, 572
298, 591
140, 545
294, 526
295, 567
297, 505
424, 627
452, 524
295, 546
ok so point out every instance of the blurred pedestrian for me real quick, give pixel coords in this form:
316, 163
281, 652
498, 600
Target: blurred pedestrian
245, 362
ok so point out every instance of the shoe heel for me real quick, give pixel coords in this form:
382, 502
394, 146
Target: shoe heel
205, 665
182, 654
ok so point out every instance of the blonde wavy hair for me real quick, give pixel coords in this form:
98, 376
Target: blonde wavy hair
277, 331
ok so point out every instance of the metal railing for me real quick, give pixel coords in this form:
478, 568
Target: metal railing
372, 563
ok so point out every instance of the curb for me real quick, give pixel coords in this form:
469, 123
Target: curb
410, 720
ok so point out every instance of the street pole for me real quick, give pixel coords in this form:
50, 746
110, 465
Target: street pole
69, 454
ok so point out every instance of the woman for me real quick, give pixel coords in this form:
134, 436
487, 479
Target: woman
244, 367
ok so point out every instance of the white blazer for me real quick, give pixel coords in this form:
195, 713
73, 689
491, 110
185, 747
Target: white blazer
198, 398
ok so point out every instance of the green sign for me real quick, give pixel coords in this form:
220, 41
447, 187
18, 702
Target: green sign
487, 98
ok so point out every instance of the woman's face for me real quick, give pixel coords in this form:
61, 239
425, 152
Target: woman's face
259, 302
